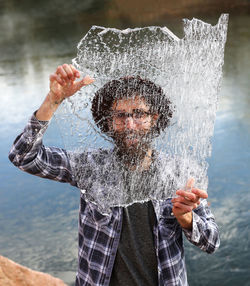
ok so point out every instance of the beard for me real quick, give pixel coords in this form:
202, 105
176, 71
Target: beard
132, 146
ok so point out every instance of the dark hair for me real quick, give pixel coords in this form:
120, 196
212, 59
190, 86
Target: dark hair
128, 87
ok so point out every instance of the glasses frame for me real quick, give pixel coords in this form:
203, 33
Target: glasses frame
139, 116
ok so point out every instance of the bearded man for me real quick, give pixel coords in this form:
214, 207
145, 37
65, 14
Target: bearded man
138, 245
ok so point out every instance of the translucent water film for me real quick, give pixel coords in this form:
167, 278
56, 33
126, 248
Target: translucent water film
144, 127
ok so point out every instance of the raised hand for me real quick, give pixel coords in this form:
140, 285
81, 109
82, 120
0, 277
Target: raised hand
187, 200
63, 83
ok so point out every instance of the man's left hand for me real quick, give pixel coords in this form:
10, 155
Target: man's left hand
186, 201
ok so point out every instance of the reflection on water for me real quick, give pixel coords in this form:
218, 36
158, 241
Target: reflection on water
230, 265
38, 218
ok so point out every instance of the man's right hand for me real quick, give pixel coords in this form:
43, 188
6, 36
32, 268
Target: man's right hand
63, 84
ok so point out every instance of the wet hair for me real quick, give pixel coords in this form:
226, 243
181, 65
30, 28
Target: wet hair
129, 87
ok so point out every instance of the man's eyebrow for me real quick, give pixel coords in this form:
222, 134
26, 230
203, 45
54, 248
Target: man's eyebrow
119, 110
133, 110
139, 109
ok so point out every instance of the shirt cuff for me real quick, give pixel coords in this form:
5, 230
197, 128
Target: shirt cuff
35, 127
194, 234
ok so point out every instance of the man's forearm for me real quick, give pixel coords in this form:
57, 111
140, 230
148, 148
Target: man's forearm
47, 109
186, 220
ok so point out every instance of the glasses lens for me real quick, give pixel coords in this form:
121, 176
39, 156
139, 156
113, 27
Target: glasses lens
138, 115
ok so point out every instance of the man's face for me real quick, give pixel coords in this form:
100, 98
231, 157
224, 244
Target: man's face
131, 124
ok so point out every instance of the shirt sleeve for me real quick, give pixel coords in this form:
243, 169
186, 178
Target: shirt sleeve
204, 233
30, 155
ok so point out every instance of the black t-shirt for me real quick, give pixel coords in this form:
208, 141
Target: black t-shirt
136, 262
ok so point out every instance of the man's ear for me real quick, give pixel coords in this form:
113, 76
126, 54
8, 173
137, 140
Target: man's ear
155, 117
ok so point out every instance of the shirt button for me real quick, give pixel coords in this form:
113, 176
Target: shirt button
172, 213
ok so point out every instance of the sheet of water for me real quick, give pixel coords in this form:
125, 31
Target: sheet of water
189, 72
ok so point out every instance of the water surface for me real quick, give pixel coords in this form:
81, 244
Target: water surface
38, 218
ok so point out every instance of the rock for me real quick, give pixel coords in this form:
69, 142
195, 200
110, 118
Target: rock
13, 274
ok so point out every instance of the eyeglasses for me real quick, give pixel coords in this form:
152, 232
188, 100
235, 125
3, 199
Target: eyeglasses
138, 115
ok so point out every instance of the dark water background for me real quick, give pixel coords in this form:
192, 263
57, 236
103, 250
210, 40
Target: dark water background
38, 218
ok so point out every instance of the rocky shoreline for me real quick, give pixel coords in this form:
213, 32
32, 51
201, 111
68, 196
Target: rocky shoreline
14, 274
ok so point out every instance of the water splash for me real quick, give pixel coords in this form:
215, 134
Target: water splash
189, 72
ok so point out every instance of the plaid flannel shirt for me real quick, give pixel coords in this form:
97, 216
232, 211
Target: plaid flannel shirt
98, 235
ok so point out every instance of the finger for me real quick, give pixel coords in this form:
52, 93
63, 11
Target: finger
85, 81
61, 72
184, 208
183, 200
68, 71
195, 206
189, 184
187, 195
178, 211
200, 193
55, 77
75, 71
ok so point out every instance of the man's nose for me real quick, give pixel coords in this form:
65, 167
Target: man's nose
129, 123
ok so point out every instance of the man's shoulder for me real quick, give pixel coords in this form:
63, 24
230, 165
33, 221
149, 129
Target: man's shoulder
176, 160
94, 156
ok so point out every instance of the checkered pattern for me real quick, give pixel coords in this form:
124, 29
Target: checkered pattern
99, 234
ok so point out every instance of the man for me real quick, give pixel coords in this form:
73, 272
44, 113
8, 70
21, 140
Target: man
141, 244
